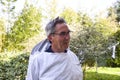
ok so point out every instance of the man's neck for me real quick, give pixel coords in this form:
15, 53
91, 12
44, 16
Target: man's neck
50, 49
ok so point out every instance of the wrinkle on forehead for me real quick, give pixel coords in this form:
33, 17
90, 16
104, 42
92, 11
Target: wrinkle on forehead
61, 27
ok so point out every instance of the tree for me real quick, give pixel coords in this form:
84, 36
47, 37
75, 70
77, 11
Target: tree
8, 8
116, 61
117, 10
77, 20
114, 15
26, 26
2, 34
69, 19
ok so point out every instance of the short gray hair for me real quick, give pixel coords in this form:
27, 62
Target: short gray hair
50, 27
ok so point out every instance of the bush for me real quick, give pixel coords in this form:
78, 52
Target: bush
13, 68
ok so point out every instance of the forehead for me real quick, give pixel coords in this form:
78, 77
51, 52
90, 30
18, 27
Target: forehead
61, 27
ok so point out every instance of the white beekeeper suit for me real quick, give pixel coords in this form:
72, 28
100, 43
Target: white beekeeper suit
53, 66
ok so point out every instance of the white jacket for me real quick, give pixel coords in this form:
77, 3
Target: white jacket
54, 66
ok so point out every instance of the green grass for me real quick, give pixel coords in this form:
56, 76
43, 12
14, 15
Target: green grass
103, 73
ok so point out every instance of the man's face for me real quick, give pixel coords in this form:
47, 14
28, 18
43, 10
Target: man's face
60, 39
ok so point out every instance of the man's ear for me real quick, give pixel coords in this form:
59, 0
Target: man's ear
50, 38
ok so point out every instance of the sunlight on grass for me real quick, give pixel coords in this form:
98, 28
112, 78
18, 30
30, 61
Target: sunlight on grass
104, 73
114, 71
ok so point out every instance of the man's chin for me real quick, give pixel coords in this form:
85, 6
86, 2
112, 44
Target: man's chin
65, 47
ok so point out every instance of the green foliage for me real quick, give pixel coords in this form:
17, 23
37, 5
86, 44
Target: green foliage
107, 26
117, 10
76, 18
112, 14
91, 44
116, 62
69, 19
86, 21
13, 66
2, 34
26, 26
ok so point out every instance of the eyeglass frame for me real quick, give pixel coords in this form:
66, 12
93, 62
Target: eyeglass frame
62, 34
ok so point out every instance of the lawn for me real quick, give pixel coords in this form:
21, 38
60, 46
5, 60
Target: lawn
103, 73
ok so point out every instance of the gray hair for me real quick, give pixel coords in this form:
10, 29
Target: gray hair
50, 28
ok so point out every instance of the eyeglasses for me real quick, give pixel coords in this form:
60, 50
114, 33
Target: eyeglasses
62, 34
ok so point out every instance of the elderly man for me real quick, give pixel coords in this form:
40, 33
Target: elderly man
52, 59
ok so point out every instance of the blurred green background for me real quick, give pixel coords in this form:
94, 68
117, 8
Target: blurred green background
94, 37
